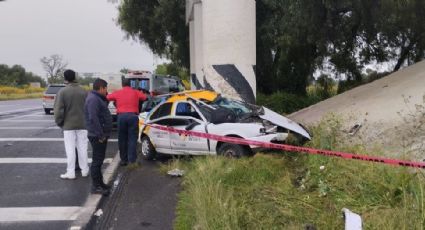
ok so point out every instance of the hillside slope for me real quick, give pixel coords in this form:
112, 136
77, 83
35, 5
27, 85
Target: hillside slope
389, 110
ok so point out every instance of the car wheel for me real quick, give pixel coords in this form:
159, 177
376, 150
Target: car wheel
147, 150
47, 111
233, 150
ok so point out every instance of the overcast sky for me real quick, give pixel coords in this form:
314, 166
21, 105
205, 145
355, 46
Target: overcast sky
84, 32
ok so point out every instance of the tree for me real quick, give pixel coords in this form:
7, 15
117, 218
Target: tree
54, 67
17, 76
161, 24
86, 80
295, 39
172, 69
124, 70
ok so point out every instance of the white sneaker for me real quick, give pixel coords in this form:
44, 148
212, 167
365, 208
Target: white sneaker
67, 177
85, 174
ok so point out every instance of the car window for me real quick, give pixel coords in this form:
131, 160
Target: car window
186, 109
165, 85
150, 103
144, 84
162, 111
173, 122
53, 89
140, 84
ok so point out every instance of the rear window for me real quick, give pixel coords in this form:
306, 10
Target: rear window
165, 85
140, 83
162, 111
53, 89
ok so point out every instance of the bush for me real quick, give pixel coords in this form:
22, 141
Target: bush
319, 93
285, 103
30, 90
8, 90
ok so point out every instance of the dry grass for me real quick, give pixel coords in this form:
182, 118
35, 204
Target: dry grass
14, 93
7, 90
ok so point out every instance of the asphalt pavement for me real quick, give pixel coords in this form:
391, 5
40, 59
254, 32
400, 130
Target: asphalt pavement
32, 156
144, 199
17, 106
32, 196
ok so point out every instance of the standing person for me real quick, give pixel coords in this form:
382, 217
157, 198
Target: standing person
127, 102
99, 126
69, 116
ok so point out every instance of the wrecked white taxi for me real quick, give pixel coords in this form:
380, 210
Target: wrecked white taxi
208, 112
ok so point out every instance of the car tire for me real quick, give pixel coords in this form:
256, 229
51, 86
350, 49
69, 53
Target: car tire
47, 111
234, 151
147, 151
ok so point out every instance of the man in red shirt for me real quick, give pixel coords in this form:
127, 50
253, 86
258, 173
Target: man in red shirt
127, 103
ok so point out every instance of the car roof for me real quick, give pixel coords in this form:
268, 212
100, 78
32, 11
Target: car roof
57, 85
207, 95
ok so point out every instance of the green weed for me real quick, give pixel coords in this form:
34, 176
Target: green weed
295, 190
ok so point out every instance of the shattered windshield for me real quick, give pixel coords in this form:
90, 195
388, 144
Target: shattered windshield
240, 108
205, 110
217, 108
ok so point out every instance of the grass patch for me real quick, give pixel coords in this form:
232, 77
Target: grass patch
8, 90
5, 97
290, 191
24, 92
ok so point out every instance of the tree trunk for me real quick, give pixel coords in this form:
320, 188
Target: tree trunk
403, 55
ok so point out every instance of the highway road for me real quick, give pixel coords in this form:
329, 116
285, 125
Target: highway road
13, 107
32, 156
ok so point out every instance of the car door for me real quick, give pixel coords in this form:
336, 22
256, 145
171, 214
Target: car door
185, 114
159, 138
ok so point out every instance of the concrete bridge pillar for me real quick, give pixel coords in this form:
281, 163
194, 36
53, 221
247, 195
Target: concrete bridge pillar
223, 46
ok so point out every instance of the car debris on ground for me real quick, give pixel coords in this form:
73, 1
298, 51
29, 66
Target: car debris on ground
353, 221
176, 172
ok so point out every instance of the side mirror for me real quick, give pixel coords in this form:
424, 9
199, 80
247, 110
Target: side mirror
191, 125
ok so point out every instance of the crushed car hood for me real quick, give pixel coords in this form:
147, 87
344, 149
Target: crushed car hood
284, 122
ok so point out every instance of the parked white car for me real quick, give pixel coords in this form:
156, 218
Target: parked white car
50, 96
208, 112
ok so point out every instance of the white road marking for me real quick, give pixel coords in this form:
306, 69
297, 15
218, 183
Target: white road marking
94, 199
39, 213
10, 120
28, 128
27, 160
36, 115
39, 139
19, 110
26, 115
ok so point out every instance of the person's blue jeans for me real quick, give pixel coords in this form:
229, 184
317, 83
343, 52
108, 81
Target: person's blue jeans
128, 129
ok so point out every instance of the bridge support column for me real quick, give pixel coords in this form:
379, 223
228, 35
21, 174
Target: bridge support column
223, 46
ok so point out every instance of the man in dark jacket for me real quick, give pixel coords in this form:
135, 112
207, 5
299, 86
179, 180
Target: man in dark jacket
99, 126
69, 116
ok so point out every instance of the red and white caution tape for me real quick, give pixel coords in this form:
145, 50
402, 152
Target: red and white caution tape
291, 148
